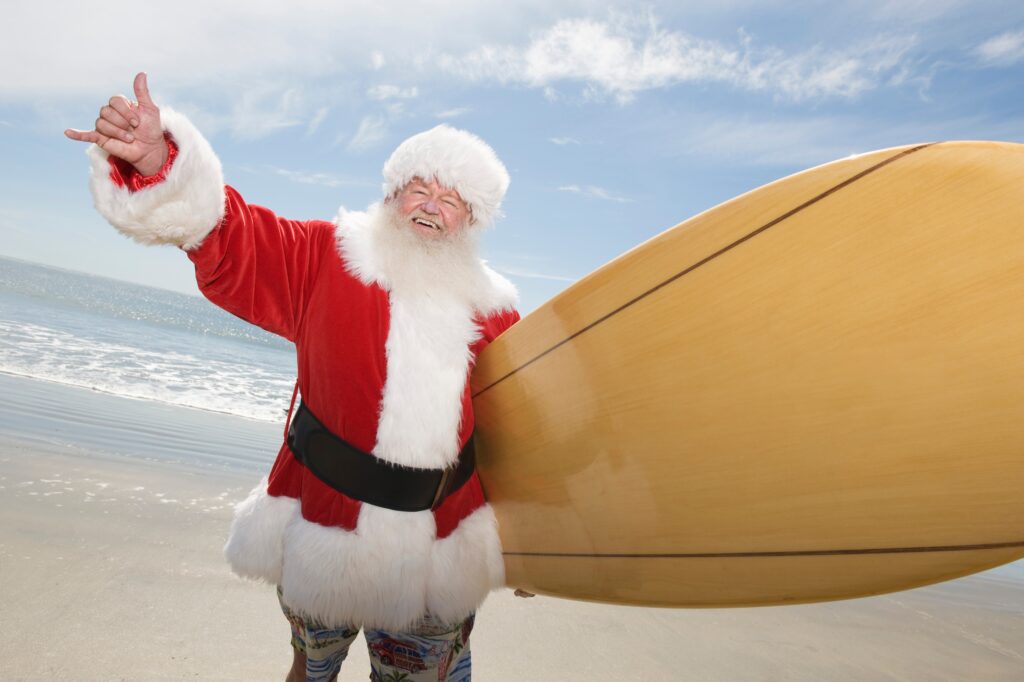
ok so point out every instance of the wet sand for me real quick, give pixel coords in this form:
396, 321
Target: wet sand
111, 569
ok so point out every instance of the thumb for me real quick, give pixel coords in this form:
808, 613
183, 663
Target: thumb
142, 90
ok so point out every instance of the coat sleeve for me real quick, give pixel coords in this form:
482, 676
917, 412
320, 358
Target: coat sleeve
248, 261
261, 267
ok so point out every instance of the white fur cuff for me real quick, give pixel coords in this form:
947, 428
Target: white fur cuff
182, 209
256, 543
465, 566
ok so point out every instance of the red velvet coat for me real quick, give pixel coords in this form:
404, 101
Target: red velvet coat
383, 364
287, 277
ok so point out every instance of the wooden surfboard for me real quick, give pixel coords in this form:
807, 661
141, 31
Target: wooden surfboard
814, 391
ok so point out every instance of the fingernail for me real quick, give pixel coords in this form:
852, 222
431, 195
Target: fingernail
129, 137
135, 122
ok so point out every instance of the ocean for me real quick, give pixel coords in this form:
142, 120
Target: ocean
139, 342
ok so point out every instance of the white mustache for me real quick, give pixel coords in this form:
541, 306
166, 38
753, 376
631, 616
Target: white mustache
434, 219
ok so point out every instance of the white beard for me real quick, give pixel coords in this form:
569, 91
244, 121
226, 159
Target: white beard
432, 285
414, 265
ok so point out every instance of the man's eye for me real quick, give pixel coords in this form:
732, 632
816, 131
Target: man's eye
449, 202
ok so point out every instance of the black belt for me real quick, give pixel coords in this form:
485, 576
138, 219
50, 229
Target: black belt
367, 478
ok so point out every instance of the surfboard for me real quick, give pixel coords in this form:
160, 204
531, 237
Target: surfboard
814, 391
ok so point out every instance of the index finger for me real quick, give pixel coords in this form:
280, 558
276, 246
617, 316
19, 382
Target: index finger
142, 89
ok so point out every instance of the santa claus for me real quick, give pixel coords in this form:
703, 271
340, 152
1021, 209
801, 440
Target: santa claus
372, 514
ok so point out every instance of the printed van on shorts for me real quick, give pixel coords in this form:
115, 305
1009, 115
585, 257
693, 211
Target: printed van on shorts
399, 654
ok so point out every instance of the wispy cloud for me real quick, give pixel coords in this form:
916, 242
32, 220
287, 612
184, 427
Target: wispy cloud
318, 118
756, 142
592, 192
532, 274
805, 141
910, 11
322, 179
7, 124
562, 141
262, 111
625, 55
255, 113
384, 92
337, 44
1003, 49
453, 113
372, 129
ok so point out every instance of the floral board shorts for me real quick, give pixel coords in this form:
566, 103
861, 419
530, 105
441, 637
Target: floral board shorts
434, 651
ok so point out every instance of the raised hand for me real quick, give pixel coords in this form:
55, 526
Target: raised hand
129, 130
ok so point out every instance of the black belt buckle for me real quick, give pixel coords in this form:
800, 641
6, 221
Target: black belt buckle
442, 488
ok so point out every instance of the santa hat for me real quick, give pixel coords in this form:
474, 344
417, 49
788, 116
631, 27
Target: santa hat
456, 159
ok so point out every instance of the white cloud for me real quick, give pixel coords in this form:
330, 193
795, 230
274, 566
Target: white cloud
562, 141
626, 55
1003, 49
253, 113
798, 143
806, 141
322, 179
453, 113
262, 111
55, 50
372, 129
532, 274
7, 124
819, 73
913, 11
383, 92
318, 118
592, 192
330, 47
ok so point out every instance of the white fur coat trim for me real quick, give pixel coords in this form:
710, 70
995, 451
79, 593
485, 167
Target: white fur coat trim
428, 359
255, 547
387, 573
428, 346
182, 209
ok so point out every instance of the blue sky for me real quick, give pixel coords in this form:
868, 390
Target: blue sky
616, 120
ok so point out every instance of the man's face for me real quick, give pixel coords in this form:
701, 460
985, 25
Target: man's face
432, 210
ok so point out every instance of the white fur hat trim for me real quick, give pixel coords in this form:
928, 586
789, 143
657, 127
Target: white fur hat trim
456, 159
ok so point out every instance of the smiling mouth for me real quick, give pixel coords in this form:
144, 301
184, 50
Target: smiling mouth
427, 223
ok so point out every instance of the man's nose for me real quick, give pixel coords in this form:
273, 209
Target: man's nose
430, 205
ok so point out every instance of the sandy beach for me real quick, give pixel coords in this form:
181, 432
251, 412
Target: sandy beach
115, 512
